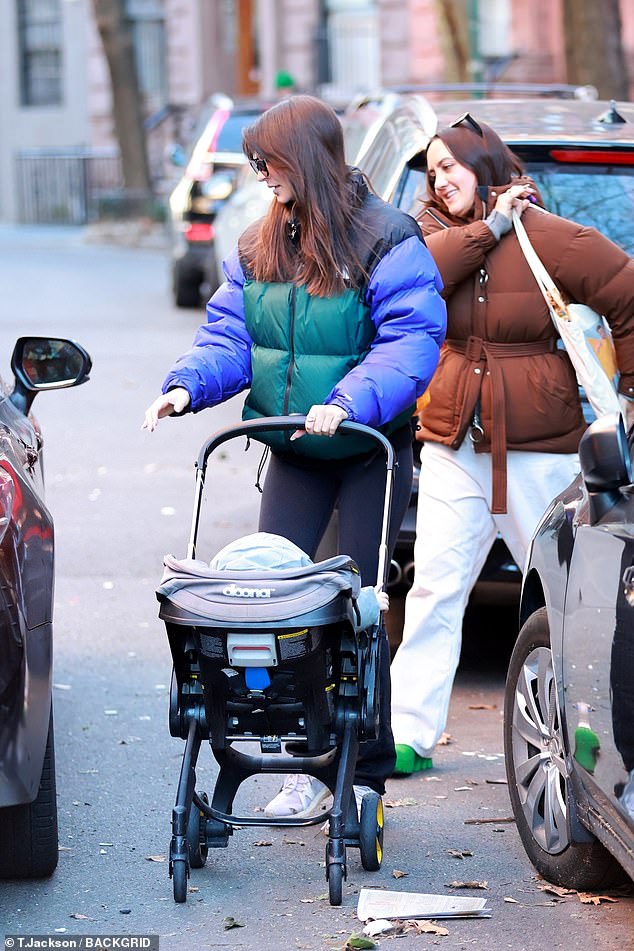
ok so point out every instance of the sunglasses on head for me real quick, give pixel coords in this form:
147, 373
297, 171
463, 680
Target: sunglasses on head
259, 166
468, 118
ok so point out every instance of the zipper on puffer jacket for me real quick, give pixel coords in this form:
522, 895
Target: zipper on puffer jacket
291, 353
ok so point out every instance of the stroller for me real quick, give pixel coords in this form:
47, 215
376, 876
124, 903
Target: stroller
270, 657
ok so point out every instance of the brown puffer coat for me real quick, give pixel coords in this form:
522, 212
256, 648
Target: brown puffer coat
501, 350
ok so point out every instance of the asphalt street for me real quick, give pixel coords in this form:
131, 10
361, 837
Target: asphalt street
122, 499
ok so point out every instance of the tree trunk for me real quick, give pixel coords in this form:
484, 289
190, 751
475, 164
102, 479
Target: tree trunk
453, 26
116, 39
594, 46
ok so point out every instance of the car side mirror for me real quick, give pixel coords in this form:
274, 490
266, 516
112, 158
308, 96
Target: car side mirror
606, 466
46, 363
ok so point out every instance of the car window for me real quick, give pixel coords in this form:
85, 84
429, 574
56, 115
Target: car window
598, 196
230, 135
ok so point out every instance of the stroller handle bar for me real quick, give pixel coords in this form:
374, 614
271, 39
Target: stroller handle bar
286, 424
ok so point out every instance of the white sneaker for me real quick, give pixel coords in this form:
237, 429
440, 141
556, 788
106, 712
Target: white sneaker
627, 796
299, 797
359, 793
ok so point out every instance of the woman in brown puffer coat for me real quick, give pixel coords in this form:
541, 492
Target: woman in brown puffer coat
503, 421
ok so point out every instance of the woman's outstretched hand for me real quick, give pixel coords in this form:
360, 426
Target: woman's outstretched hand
165, 405
322, 420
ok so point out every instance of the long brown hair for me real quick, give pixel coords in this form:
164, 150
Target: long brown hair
303, 138
490, 160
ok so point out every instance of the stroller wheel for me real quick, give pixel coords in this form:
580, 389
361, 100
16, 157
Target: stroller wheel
335, 883
371, 832
179, 876
197, 834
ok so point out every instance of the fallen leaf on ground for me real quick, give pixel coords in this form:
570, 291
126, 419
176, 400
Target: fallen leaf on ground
483, 706
193, 888
512, 901
396, 803
398, 874
467, 885
81, 917
292, 842
230, 922
427, 927
262, 842
459, 853
155, 858
587, 899
309, 901
445, 739
557, 890
357, 941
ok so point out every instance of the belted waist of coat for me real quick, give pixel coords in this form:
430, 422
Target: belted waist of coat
481, 351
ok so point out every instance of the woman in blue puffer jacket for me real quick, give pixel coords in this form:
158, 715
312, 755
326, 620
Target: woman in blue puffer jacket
330, 308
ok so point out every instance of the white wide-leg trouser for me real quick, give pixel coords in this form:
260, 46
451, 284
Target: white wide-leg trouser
454, 533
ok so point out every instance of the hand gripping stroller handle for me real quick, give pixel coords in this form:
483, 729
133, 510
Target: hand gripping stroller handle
286, 424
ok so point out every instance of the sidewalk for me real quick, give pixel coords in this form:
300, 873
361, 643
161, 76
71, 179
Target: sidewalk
133, 234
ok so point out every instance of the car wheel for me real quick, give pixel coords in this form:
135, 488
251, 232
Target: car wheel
536, 770
186, 289
28, 844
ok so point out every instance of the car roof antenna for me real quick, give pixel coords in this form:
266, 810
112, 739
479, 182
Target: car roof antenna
612, 117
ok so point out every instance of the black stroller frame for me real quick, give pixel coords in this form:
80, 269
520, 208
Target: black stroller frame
323, 722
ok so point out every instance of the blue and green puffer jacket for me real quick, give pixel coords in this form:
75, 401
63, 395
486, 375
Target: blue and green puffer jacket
371, 351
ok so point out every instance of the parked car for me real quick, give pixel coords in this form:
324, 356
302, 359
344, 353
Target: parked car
28, 808
581, 155
208, 180
569, 703
249, 201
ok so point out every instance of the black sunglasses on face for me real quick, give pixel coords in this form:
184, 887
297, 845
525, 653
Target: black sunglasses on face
259, 166
468, 118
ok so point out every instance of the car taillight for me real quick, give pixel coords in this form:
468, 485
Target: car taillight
7, 494
592, 157
199, 231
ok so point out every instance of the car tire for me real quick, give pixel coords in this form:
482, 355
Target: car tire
28, 843
186, 289
538, 784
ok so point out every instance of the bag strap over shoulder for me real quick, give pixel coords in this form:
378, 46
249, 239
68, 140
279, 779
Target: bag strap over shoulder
547, 286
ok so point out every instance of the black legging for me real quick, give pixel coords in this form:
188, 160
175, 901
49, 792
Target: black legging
297, 502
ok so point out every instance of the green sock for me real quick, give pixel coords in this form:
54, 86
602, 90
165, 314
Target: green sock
586, 747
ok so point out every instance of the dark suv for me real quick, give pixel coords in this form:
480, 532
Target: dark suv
581, 155
28, 806
208, 180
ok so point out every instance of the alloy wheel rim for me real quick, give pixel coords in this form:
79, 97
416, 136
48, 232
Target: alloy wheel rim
538, 752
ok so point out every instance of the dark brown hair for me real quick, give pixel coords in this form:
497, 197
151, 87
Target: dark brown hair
303, 138
486, 155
